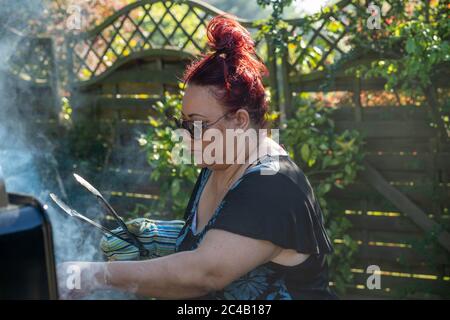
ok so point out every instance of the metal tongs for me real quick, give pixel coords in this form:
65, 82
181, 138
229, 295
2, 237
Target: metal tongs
132, 239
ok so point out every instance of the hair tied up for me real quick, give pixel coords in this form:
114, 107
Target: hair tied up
226, 35
232, 67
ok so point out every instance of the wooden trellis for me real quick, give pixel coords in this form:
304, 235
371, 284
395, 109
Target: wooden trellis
31, 74
32, 60
142, 26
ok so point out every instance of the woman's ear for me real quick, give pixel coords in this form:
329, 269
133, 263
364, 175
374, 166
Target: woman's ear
242, 119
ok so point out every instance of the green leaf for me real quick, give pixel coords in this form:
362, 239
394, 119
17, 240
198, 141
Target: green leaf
326, 188
153, 122
348, 169
411, 46
175, 187
311, 162
305, 152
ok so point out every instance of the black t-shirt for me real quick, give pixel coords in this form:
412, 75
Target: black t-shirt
272, 201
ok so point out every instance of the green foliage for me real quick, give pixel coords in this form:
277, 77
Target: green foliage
411, 52
329, 160
415, 55
86, 143
413, 49
174, 180
274, 28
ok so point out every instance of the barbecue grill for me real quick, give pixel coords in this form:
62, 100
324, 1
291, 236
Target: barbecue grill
27, 263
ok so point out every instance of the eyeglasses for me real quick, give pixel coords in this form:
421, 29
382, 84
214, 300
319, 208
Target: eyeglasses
190, 125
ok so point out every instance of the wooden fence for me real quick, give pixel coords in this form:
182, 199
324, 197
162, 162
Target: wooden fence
120, 68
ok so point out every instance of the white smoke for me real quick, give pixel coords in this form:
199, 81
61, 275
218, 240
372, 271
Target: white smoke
27, 154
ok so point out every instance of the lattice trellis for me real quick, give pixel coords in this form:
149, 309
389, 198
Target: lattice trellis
32, 59
322, 40
180, 26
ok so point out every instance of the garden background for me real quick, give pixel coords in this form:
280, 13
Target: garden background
362, 108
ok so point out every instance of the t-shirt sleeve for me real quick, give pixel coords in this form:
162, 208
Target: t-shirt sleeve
274, 208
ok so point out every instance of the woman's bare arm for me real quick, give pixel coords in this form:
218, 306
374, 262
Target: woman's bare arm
221, 258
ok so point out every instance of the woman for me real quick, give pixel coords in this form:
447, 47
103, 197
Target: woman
253, 229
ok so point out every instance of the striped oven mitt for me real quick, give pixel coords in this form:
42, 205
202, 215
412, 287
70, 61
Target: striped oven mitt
158, 236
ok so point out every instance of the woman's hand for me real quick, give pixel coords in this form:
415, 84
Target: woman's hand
77, 279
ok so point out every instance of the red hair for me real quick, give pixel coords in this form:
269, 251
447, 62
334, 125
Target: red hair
233, 67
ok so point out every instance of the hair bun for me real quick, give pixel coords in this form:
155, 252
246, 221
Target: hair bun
233, 68
226, 35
